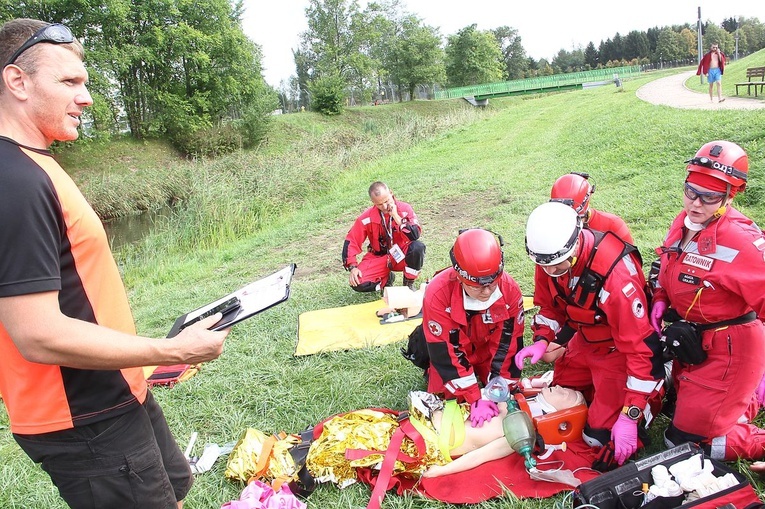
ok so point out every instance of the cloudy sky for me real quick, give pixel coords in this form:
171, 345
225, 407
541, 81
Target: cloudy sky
545, 27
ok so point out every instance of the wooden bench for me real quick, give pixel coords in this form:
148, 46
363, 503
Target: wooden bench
751, 74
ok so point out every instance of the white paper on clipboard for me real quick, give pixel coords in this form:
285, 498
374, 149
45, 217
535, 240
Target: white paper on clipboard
252, 299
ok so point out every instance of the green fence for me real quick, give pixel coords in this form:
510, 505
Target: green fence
543, 83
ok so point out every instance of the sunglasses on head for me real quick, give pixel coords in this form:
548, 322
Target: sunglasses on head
55, 33
707, 198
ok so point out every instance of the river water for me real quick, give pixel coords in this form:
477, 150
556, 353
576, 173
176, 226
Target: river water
130, 229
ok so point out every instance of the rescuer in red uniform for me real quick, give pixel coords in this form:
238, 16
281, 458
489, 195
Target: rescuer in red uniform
473, 323
575, 189
710, 287
600, 294
392, 230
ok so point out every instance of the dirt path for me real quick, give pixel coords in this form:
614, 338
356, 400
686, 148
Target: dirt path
671, 91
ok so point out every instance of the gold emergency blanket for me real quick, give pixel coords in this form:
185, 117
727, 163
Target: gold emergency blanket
244, 458
366, 429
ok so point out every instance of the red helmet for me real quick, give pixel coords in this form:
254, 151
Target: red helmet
723, 160
574, 190
477, 257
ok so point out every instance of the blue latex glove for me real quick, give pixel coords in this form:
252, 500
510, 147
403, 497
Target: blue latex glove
760, 392
624, 436
482, 411
657, 311
536, 350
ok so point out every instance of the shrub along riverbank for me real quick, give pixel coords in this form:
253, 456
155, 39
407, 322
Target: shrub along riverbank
293, 201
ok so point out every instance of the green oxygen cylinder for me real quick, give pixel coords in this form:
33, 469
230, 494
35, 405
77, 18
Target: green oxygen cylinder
519, 432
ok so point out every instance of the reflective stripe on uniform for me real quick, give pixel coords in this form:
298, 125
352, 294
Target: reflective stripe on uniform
644, 386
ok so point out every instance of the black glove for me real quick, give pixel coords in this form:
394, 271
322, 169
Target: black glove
605, 460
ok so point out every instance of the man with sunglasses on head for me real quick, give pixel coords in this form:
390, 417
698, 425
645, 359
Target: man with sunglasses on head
713, 66
593, 282
472, 321
711, 288
70, 359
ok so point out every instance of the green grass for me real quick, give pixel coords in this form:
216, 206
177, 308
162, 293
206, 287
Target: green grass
249, 214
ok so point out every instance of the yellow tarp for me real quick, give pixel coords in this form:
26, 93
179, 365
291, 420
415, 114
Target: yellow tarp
347, 328
353, 327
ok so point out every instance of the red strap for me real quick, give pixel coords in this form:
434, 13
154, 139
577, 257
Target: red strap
409, 431
393, 453
414, 435
386, 470
607, 253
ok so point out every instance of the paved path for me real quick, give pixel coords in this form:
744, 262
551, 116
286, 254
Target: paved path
671, 91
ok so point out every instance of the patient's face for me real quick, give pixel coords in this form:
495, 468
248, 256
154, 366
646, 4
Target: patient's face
562, 397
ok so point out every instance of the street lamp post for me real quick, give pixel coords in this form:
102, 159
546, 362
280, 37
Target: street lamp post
700, 46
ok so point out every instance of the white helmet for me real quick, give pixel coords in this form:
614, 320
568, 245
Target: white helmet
552, 231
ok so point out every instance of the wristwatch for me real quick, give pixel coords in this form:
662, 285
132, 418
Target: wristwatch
633, 412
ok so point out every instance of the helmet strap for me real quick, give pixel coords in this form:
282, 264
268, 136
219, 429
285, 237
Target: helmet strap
720, 211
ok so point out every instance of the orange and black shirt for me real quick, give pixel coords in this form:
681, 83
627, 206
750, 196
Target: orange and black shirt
52, 240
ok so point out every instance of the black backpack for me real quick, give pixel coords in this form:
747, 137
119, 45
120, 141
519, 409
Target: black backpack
416, 349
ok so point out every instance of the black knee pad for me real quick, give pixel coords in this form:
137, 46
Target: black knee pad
367, 287
674, 437
601, 435
415, 255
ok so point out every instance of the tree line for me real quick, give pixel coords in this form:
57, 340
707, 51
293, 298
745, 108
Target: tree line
185, 71
382, 48
173, 69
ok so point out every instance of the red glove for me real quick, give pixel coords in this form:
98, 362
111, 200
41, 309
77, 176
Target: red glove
482, 411
624, 436
535, 351
657, 311
760, 392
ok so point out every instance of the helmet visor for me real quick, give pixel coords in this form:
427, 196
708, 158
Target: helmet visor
476, 280
558, 256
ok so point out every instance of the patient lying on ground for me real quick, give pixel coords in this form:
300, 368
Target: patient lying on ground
488, 442
441, 424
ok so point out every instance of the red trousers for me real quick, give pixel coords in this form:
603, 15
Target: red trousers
714, 398
597, 371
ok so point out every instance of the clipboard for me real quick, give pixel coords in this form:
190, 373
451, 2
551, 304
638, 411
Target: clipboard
245, 302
